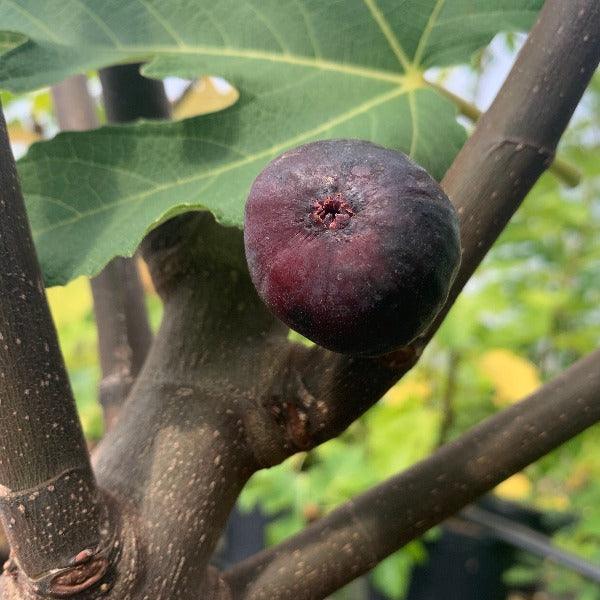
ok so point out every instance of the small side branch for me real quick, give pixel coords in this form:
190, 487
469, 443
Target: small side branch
124, 335
49, 504
528, 539
355, 537
448, 397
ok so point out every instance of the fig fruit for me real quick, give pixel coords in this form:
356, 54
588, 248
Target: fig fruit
351, 244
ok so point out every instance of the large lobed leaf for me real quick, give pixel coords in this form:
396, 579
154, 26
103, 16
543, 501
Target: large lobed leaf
306, 69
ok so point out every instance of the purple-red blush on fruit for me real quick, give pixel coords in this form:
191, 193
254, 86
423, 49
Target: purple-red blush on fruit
351, 244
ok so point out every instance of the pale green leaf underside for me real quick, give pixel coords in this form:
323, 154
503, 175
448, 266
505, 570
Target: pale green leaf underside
306, 69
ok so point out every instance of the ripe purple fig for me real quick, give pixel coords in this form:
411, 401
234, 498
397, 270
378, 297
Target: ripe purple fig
351, 244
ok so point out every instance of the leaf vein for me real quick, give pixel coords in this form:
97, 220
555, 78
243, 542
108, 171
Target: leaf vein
37, 22
309, 29
163, 23
58, 202
415, 126
389, 34
100, 23
269, 26
431, 22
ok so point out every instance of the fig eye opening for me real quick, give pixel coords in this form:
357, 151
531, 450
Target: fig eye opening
332, 212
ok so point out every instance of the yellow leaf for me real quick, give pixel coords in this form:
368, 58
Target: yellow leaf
145, 276
580, 476
19, 135
558, 502
412, 387
206, 95
512, 376
70, 303
91, 421
517, 487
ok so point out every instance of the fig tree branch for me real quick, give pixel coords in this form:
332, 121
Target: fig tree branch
358, 535
128, 96
73, 106
178, 456
49, 504
515, 140
124, 334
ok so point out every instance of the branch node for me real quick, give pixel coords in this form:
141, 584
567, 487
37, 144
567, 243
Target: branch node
77, 578
405, 358
521, 144
297, 426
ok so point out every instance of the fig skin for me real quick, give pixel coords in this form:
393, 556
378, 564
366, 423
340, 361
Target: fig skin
351, 244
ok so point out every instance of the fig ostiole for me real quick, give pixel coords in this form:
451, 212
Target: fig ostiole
351, 244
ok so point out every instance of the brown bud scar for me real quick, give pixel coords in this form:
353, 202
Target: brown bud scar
297, 426
82, 557
10, 568
80, 577
402, 358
